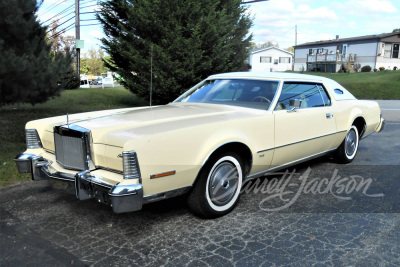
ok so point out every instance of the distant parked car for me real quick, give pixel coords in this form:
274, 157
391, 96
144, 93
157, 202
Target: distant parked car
84, 83
93, 82
99, 80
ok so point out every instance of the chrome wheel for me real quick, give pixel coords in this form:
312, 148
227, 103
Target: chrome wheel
351, 143
347, 151
223, 183
217, 190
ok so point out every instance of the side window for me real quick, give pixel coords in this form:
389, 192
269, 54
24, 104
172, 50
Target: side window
310, 94
324, 95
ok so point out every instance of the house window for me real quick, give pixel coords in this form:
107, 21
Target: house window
339, 49
320, 50
265, 59
310, 51
395, 51
284, 59
391, 50
388, 50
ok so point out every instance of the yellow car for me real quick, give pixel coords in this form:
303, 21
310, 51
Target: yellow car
229, 128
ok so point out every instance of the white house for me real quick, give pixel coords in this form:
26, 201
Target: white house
270, 59
380, 50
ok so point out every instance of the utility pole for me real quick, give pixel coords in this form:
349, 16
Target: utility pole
295, 38
77, 37
151, 75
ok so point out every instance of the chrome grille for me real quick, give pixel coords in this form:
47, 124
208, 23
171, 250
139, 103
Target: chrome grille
71, 148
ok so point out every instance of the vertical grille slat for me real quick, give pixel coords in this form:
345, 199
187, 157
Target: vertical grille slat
71, 151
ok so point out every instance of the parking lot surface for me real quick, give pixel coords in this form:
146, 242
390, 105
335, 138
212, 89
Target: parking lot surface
305, 220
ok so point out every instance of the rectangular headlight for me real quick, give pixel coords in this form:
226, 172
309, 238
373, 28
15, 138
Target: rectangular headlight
32, 139
130, 165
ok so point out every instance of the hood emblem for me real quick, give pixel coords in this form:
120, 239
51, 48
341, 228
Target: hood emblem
119, 156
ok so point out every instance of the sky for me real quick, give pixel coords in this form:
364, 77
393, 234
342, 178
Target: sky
274, 20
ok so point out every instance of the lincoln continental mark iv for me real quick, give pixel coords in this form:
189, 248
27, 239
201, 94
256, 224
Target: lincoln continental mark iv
229, 128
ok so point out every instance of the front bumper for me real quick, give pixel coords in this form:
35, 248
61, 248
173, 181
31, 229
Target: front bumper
122, 198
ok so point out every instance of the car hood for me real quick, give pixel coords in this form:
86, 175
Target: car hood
129, 124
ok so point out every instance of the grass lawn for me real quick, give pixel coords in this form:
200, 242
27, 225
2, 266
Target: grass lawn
368, 85
13, 119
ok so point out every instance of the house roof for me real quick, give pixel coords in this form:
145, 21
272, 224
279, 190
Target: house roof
340, 40
268, 48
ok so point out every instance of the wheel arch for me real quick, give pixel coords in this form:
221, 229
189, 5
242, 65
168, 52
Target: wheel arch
237, 147
361, 125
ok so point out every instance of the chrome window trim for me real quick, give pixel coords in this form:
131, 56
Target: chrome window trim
317, 84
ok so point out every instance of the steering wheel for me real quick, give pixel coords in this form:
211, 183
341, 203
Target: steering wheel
261, 97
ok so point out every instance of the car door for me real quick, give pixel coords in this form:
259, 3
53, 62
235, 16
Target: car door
306, 130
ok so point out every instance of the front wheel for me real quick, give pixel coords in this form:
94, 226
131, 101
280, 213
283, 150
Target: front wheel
348, 149
217, 189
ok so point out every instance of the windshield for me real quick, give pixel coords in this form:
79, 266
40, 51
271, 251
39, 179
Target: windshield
237, 92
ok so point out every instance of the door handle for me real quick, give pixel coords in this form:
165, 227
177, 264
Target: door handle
329, 115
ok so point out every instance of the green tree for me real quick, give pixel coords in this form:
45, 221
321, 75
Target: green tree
28, 74
396, 30
255, 46
84, 66
93, 62
190, 40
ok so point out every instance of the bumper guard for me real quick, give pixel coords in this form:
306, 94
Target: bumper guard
122, 198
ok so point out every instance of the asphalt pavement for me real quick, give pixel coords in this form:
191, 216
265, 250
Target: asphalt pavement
321, 214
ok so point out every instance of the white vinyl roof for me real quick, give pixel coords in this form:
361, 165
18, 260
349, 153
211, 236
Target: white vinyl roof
329, 84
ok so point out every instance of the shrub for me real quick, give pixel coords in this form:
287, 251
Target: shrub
381, 68
70, 81
366, 68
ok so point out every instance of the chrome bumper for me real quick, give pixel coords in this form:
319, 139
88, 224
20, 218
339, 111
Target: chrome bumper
381, 126
122, 198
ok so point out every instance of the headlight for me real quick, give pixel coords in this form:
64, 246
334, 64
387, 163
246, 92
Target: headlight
130, 165
32, 139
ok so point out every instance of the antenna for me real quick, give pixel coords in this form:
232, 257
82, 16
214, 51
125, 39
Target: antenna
151, 74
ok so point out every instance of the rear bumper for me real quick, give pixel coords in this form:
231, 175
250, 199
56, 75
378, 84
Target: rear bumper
381, 125
122, 198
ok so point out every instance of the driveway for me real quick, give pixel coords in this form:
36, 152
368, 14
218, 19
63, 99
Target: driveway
305, 219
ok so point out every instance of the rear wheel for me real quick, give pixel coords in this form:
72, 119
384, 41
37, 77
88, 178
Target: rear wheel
348, 149
217, 189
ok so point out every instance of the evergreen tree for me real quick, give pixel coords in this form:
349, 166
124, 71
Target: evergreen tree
190, 40
29, 73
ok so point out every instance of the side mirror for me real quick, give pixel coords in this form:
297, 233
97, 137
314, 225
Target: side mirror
294, 104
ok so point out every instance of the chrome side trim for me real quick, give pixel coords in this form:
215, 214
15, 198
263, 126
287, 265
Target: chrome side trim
165, 195
259, 174
108, 169
301, 141
49, 151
